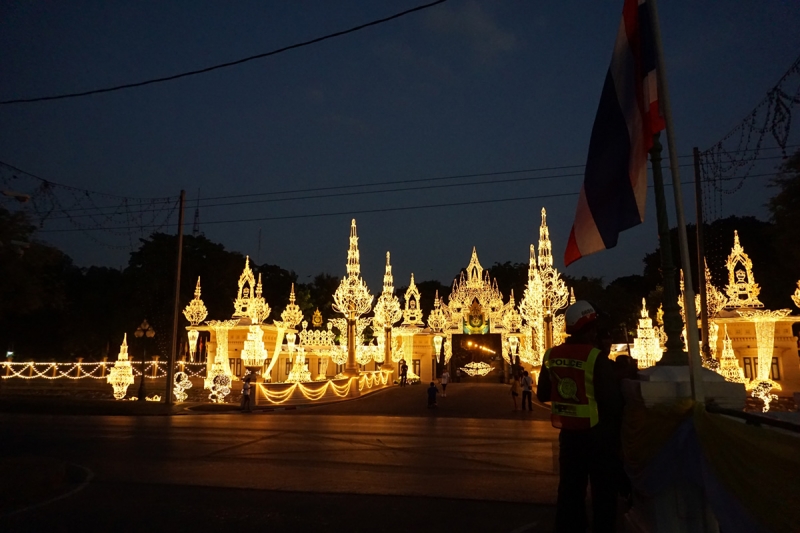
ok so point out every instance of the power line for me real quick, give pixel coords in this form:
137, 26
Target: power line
115, 209
223, 65
375, 210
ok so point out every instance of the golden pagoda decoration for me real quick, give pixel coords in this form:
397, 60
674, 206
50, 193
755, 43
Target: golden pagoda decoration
247, 286
729, 365
796, 295
412, 314
475, 301
545, 294
646, 347
299, 372
742, 290
254, 354
761, 385
120, 376
387, 313
352, 299
437, 320
316, 320
195, 313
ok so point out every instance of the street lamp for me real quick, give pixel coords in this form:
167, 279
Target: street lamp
144, 331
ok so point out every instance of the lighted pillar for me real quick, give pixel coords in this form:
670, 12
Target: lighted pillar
352, 299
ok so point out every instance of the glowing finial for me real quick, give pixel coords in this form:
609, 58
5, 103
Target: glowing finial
572, 296
545, 246
196, 311
353, 258
388, 279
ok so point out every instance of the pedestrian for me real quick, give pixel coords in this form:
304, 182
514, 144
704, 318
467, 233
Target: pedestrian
246, 394
432, 392
458, 374
578, 381
527, 388
514, 391
403, 374
444, 381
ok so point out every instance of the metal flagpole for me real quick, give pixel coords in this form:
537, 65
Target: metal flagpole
175, 313
701, 256
695, 364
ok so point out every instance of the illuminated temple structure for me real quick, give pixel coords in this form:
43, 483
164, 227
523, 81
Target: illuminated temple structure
476, 330
476, 327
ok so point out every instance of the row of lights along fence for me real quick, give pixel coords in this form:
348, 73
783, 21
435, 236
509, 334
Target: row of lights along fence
475, 306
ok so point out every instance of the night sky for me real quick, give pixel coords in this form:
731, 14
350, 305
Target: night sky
462, 88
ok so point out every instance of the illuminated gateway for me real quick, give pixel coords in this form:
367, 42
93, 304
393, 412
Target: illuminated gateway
476, 331
481, 331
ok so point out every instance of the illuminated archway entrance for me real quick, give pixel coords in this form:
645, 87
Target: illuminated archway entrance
479, 357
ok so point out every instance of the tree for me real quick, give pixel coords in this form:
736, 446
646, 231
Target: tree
784, 208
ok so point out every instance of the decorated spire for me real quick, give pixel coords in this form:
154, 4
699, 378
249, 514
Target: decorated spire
412, 314
353, 257
258, 286
388, 279
572, 299
742, 290
292, 315
123, 349
437, 320
196, 311
646, 347
545, 246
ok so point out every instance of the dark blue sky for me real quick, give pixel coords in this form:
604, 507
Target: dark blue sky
465, 87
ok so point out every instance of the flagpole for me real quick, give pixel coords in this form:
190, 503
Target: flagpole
695, 364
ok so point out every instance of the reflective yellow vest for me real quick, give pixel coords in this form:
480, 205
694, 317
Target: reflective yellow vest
572, 400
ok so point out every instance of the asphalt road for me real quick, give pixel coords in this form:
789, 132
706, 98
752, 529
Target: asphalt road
336, 468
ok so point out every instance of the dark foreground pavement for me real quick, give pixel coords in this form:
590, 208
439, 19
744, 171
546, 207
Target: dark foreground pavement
342, 467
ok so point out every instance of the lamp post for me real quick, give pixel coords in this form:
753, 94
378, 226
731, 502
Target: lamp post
144, 330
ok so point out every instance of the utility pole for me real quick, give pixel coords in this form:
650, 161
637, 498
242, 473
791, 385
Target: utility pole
175, 314
701, 255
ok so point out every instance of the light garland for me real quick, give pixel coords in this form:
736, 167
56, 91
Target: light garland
120, 376
94, 370
477, 368
309, 393
646, 347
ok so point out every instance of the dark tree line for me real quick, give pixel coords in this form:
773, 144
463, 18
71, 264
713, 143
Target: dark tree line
51, 309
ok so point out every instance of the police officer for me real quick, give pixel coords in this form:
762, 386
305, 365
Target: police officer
578, 381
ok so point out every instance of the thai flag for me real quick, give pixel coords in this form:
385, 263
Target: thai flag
614, 187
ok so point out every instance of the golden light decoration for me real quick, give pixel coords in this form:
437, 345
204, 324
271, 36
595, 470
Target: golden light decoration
193, 335
412, 314
474, 287
352, 297
742, 290
646, 347
316, 320
477, 368
299, 372
545, 294
120, 376
321, 339
763, 391
387, 308
292, 315
729, 365
247, 287
796, 295
764, 321
196, 311
512, 320
437, 347
181, 384
437, 320
221, 366
254, 354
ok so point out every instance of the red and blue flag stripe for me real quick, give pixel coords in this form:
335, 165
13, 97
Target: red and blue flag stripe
614, 190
